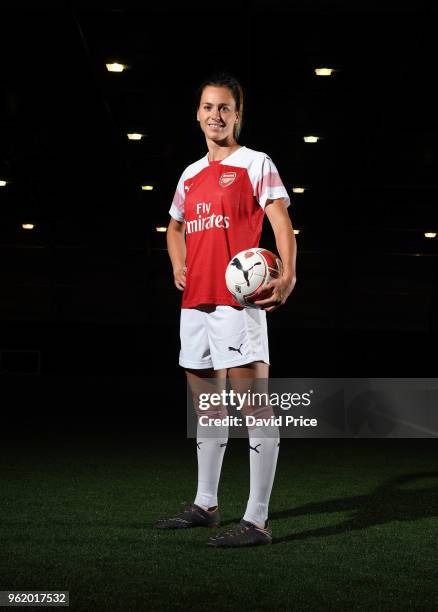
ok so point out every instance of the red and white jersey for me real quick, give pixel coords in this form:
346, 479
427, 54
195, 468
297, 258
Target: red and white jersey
222, 204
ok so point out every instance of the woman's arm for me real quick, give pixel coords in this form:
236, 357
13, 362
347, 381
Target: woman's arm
176, 246
277, 213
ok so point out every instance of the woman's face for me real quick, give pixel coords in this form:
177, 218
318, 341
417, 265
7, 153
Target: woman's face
217, 113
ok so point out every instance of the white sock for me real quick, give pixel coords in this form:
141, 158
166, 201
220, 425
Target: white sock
211, 449
264, 444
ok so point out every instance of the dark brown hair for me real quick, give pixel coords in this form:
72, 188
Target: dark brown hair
224, 79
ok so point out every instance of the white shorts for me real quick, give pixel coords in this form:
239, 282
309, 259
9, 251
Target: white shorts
222, 337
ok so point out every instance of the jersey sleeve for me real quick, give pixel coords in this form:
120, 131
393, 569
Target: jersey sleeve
177, 208
268, 184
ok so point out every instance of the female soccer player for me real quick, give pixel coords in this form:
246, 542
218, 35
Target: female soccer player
218, 211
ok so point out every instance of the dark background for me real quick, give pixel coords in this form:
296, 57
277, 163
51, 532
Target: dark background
89, 315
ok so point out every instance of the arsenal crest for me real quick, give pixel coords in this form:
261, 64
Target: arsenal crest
227, 178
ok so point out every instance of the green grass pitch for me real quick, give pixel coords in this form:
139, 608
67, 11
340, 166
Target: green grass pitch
354, 524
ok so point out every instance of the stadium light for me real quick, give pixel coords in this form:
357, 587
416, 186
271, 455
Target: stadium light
116, 67
161, 229
324, 71
135, 136
147, 187
430, 234
311, 138
27, 226
298, 189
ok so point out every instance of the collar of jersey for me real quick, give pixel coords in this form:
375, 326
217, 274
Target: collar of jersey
219, 161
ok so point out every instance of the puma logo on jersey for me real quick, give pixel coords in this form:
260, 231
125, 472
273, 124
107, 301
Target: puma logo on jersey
187, 187
227, 178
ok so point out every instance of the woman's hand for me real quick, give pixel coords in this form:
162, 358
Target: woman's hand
281, 288
179, 276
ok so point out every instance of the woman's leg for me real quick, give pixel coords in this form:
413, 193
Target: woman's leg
264, 441
211, 440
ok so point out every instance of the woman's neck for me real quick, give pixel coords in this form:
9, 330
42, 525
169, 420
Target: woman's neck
218, 152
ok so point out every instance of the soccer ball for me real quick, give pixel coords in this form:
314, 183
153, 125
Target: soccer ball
250, 270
